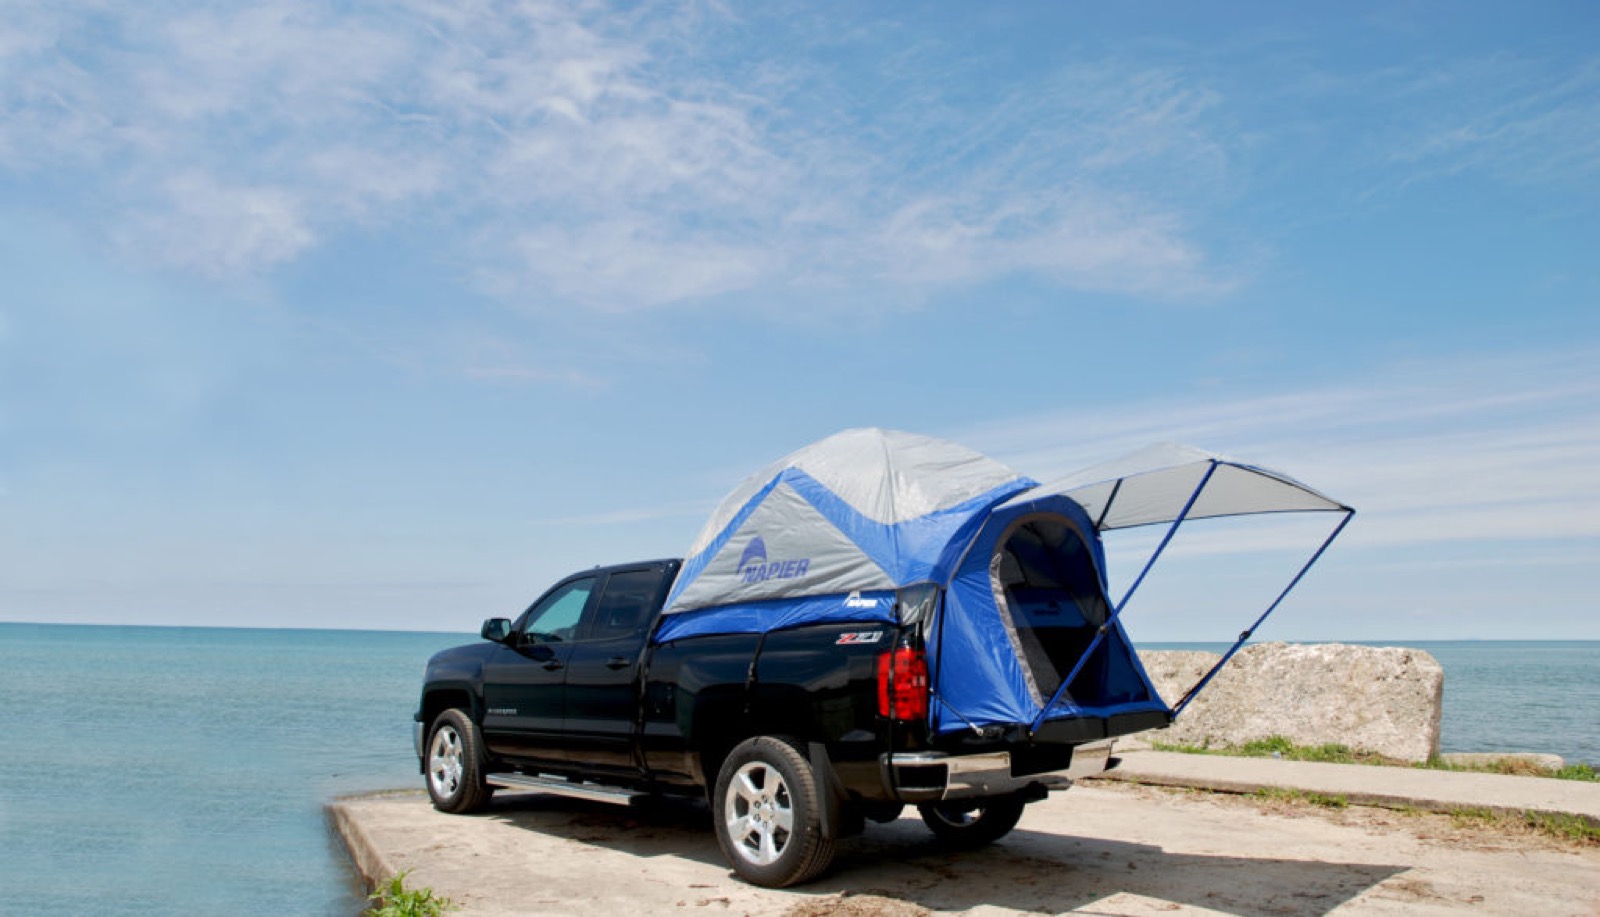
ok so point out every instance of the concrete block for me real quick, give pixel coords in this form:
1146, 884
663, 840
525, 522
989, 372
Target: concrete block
1385, 700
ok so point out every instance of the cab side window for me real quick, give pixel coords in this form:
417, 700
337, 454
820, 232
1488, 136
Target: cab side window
625, 605
555, 618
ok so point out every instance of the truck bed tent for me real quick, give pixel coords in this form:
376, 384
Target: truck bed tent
1026, 636
831, 531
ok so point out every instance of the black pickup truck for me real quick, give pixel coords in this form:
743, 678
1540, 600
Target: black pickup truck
879, 619
796, 736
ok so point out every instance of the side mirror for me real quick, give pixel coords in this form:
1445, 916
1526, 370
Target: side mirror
496, 629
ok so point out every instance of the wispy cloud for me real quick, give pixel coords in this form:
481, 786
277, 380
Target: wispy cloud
222, 229
1491, 449
1515, 118
614, 159
621, 159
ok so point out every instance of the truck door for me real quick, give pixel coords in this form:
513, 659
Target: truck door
524, 680
602, 699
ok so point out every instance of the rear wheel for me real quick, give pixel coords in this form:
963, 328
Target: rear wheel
455, 764
972, 823
768, 811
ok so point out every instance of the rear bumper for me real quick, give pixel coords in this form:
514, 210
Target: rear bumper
931, 776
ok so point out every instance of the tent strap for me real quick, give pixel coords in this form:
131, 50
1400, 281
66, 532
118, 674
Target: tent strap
939, 699
1100, 634
1206, 679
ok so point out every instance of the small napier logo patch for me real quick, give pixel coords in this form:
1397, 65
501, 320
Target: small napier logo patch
755, 568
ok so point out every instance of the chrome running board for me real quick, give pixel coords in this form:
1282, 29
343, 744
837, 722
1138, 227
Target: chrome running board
564, 787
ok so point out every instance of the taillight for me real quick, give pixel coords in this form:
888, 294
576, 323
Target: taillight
903, 684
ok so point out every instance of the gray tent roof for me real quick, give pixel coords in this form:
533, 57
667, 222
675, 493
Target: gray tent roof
888, 476
832, 518
1152, 486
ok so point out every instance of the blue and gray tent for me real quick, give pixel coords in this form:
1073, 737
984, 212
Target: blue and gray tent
1008, 575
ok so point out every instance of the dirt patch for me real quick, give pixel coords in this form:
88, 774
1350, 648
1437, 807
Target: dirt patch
856, 906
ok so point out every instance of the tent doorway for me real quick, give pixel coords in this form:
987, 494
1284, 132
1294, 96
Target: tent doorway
1048, 588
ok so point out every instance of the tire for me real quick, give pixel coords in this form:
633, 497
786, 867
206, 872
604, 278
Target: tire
454, 764
767, 809
967, 824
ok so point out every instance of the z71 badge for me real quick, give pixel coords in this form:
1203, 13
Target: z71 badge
862, 636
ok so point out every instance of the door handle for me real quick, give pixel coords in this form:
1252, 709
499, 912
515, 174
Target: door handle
618, 662
552, 665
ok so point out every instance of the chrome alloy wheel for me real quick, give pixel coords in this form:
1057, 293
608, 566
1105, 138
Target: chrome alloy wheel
445, 761
759, 813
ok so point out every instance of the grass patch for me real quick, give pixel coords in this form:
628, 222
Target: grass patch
1284, 794
1571, 828
1335, 753
1577, 772
393, 899
1519, 767
1472, 817
1566, 827
1280, 747
1278, 794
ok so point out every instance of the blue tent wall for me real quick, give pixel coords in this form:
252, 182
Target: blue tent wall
979, 679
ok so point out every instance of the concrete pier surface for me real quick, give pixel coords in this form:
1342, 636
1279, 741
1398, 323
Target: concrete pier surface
1118, 844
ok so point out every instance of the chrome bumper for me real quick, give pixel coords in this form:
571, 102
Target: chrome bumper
416, 738
929, 776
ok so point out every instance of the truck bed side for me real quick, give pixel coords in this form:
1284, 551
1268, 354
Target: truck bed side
816, 684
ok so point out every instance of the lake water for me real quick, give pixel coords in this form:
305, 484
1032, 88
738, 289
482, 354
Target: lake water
183, 770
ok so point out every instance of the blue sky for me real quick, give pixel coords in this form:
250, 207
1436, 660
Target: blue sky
385, 316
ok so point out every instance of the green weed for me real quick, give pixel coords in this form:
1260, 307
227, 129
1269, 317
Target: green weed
1279, 794
1518, 767
1266, 748
1571, 828
1472, 817
393, 899
1567, 827
1577, 772
1284, 794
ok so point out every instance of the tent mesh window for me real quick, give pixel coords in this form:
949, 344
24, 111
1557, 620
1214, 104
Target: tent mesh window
1050, 589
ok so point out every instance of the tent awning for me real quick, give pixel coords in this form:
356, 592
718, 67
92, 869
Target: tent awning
1172, 483
1154, 484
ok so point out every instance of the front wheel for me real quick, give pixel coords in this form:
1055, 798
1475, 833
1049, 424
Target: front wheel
768, 808
971, 823
455, 764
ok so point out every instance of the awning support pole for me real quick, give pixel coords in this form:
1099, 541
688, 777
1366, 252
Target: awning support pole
1117, 612
1192, 692
1106, 510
